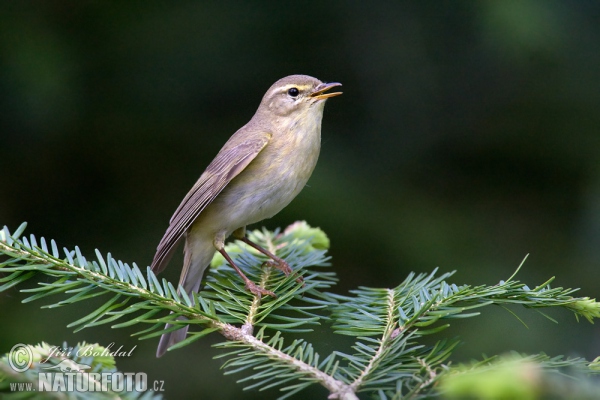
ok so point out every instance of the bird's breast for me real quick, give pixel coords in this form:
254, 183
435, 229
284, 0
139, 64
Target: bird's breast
274, 178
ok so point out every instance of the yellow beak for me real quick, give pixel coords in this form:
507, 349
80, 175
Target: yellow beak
320, 90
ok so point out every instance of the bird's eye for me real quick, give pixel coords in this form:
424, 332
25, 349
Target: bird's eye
293, 92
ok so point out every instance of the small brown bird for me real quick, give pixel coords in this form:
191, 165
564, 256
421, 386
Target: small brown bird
258, 172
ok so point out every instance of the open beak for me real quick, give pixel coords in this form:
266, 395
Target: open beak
320, 90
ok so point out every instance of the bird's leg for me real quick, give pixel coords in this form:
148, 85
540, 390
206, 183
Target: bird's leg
219, 244
276, 262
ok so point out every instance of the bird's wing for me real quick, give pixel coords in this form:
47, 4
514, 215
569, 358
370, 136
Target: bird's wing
233, 158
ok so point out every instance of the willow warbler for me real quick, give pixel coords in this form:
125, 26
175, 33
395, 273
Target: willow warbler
258, 172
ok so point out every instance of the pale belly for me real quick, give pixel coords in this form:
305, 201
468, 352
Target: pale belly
263, 189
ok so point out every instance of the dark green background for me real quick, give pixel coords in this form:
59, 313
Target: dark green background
468, 135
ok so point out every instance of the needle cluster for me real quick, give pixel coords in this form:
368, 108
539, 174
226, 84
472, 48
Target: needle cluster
268, 339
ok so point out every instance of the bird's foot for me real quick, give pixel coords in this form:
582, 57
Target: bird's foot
257, 290
283, 266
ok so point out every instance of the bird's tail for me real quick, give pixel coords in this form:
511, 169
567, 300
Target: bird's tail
197, 257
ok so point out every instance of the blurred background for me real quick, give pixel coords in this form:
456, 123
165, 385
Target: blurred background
468, 136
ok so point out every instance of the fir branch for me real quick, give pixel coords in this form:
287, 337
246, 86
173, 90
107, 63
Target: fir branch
420, 304
388, 357
274, 362
218, 309
383, 343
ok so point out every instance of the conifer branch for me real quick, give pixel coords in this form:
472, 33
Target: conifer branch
387, 359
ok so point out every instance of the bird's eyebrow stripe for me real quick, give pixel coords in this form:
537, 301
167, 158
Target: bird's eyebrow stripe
299, 87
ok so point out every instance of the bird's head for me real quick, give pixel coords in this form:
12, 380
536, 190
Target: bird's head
297, 94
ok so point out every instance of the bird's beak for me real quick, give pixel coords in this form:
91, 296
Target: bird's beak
320, 90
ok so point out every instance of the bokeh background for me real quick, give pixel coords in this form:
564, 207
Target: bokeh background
468, 136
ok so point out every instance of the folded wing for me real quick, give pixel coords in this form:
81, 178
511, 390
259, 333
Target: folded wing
233, 158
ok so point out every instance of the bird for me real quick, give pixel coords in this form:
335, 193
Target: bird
259, 171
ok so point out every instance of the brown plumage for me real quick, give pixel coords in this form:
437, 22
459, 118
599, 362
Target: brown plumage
260, 169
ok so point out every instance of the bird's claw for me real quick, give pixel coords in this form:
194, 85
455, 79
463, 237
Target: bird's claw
284, 267
258, 291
